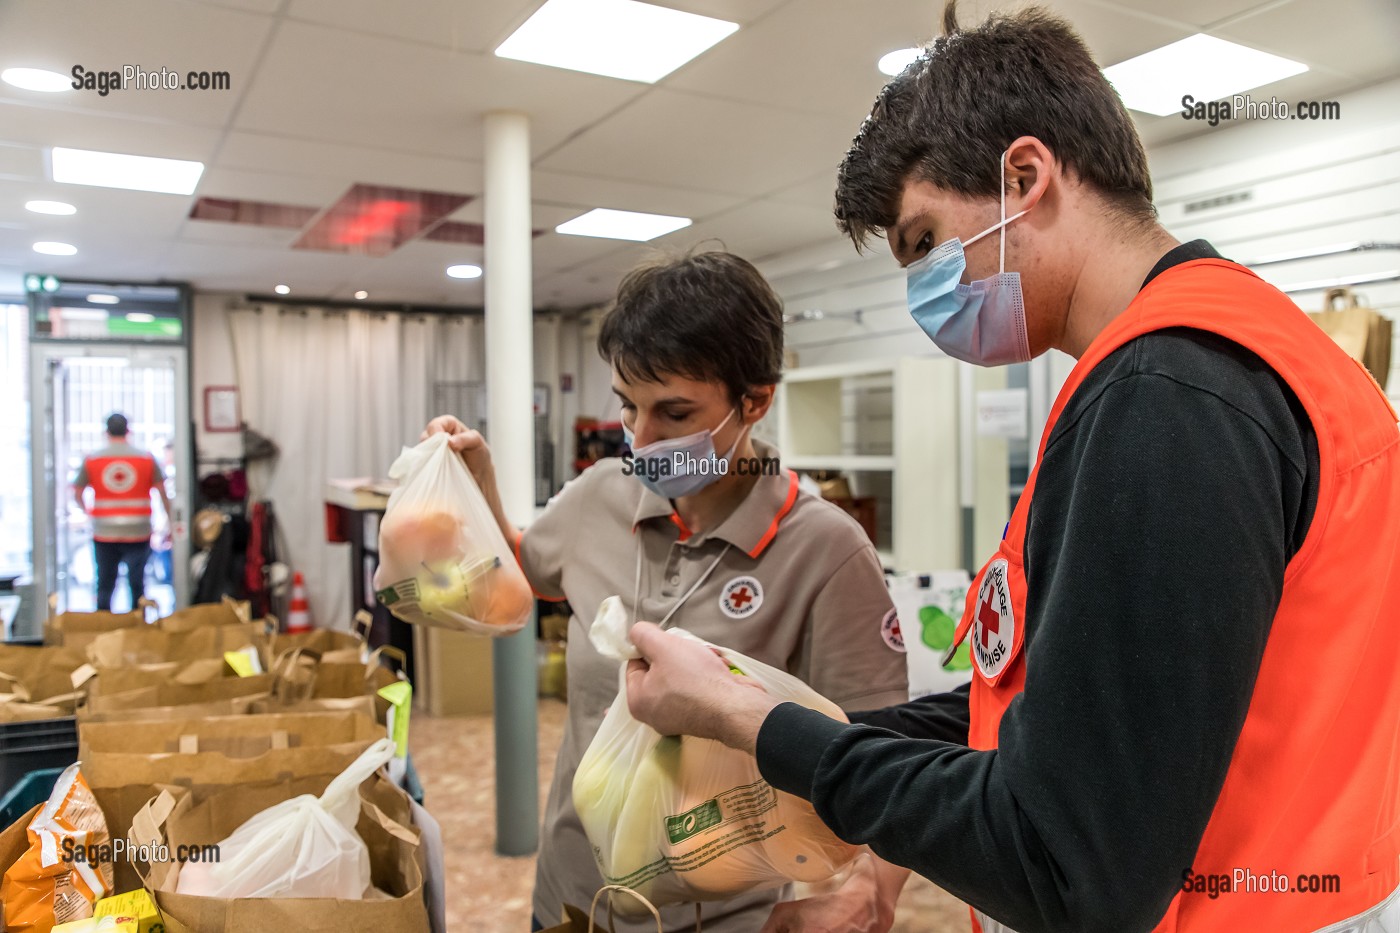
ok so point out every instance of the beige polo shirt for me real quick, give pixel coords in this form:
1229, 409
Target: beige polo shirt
795, 583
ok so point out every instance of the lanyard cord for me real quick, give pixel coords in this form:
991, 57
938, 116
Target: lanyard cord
637, 586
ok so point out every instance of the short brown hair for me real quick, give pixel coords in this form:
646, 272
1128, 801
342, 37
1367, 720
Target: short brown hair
949, 115
706, 315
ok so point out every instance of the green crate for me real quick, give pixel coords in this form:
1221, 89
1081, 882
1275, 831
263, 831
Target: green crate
34, 788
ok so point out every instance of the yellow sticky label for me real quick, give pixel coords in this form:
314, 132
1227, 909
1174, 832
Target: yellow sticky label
400, 697
242, 664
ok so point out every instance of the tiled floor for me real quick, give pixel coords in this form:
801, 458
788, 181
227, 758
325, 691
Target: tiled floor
489, 893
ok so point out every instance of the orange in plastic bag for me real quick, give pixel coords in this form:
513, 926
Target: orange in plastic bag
67, 866
442, 558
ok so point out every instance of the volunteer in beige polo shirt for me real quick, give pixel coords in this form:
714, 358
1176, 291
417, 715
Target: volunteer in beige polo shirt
741, 559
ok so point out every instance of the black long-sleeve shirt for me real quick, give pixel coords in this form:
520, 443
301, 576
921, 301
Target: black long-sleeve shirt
1174, 489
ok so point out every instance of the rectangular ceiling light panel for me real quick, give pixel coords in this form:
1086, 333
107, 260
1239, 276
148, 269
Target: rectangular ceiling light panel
622, 225
132, 172
1204, 67
614, 38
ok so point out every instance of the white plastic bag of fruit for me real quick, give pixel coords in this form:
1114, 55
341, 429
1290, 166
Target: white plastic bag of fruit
681, 819
442, 558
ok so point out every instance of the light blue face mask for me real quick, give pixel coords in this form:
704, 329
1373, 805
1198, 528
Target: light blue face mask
668, 467
983, 322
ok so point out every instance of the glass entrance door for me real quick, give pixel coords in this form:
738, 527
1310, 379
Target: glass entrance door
74, 388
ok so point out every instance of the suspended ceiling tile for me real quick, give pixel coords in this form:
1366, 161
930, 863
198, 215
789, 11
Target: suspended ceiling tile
145, 34
711, 145
314, 84
451, 24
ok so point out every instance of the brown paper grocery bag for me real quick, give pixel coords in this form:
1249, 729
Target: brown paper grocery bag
203, 615
1365, 334
176, 694
219, 749
41, 672
123, 760
181, 818
77, 629
14, 842
127, 647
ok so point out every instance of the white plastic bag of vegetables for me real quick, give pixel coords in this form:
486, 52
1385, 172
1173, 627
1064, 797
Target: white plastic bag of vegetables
681, 819
442, 558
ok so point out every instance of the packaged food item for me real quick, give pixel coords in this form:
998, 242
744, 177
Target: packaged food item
67, 866
305, 847
133, 906
678, 818
109, 924
442, 558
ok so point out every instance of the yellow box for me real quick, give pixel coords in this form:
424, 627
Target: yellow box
110, 924
137, 904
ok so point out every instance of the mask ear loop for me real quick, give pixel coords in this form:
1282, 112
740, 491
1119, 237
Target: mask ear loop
1001, 169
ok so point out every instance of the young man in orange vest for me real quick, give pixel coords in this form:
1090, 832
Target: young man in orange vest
1185, 710
122, 479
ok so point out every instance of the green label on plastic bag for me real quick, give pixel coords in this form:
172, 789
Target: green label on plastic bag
404, 589
682, 827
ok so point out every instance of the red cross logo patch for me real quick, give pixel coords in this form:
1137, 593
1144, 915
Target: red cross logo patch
994, 626
118, 476
741, 597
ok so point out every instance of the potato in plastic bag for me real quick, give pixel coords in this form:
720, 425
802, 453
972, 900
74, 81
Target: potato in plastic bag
679, 818
442, 558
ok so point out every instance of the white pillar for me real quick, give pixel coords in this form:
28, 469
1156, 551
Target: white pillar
510, 424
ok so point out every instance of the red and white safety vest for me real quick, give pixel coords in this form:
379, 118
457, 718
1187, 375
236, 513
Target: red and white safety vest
1313, 786
122, 479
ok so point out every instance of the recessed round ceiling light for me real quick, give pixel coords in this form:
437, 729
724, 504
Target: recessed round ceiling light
103, 299
283, 289
36, 79
892, 63
361, 295
50, 207
51, 248
464, 271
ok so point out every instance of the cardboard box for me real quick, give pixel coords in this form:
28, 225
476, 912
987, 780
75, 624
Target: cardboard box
453, 671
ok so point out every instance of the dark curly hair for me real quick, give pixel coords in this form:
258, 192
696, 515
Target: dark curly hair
949, 115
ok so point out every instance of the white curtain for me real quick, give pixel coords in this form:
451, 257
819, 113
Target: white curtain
340, 392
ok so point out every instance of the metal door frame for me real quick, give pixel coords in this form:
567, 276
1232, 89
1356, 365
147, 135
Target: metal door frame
43, 478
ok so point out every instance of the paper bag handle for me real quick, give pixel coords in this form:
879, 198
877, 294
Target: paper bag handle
384, 651
287, 661
20, 692
656, 914
593, 908
364, 621
1343, 292
146, 829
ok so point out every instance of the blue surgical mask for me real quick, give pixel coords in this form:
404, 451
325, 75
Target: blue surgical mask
982, 323
681, 455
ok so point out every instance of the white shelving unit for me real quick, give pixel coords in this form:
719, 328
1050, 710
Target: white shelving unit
835, 418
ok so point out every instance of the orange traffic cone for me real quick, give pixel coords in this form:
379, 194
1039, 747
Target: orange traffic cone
299, 613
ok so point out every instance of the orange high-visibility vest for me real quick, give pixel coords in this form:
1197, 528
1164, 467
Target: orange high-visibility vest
1313, 786
121, 487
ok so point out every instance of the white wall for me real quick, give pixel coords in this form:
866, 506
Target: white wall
1311, 185
211, 364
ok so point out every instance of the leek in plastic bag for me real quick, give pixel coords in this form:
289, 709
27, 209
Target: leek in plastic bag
679, 818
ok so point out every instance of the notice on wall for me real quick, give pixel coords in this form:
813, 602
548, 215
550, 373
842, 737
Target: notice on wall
1002, 413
